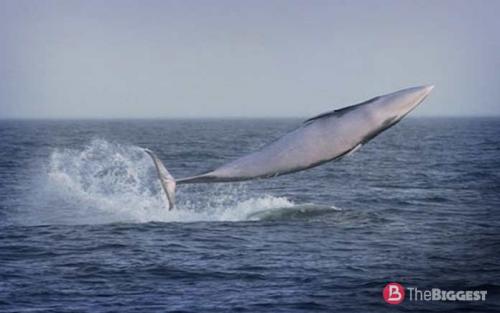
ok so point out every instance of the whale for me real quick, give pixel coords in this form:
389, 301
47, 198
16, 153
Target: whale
323, 138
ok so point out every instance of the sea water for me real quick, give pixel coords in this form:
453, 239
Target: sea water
84, 227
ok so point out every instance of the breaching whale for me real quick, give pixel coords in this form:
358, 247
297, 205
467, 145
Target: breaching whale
323, 138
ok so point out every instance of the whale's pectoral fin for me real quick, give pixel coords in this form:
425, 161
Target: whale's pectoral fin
167, 181
354, 150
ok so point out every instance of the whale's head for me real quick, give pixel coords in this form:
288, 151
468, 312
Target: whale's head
391, 108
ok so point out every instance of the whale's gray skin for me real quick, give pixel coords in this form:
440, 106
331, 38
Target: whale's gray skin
323, 138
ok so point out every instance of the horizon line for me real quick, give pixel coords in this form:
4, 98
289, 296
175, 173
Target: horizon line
229, 117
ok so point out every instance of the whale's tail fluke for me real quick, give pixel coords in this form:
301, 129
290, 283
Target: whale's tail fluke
167, 181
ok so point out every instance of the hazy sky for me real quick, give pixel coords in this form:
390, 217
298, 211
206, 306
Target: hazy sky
243, 58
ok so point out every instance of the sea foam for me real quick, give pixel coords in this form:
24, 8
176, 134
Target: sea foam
105, 182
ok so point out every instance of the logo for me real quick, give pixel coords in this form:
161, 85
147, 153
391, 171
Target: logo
393, 293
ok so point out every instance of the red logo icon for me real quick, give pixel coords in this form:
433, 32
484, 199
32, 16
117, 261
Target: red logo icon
393, 293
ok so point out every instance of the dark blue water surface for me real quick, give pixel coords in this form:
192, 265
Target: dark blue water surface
83, 226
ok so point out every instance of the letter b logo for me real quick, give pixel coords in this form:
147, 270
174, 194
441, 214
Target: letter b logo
393, 293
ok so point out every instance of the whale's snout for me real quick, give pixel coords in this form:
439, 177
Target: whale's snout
425, 91
429, 88
418, 95
389, 109
404, 101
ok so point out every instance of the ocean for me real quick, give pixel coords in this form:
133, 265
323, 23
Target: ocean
83, 224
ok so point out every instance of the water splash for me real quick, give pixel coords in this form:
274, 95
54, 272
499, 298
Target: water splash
108, 182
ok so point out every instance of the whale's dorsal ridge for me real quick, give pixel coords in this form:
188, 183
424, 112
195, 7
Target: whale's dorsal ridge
340, 112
